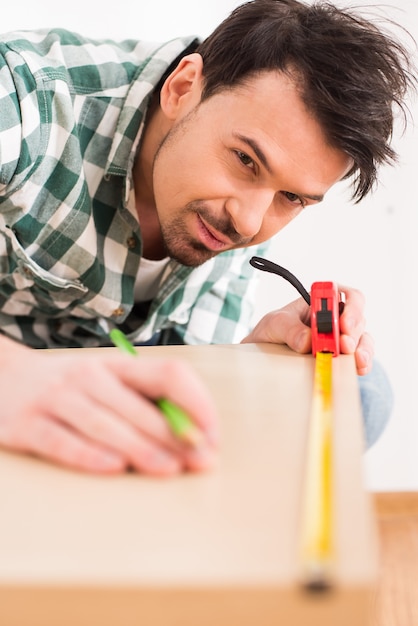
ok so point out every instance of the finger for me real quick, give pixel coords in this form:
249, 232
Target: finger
97, 423
352, 321
201, 458
149, 420
349, 342
364, 354
51, 440
287, 328
172, 379
288, 325
125, 404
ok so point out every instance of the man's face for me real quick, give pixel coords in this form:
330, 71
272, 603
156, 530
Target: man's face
235, 169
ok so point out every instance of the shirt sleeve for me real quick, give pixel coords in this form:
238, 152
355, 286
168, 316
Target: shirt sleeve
20, 120
10, 125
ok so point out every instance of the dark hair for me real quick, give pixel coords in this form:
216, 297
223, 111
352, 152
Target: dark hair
351, 74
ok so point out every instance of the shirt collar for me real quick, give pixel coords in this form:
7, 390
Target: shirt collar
130, 123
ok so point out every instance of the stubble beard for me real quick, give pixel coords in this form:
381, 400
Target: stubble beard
180, 245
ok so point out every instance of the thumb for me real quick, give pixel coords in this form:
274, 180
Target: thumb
282, 327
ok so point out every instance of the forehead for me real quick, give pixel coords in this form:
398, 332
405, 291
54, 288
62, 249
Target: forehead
272, 94
269, 108
267, 101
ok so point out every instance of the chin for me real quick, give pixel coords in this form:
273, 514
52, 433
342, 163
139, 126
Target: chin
190, 255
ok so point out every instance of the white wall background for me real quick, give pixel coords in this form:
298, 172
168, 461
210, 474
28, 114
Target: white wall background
372, 246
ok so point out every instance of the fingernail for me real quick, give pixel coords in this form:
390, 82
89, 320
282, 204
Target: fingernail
364, 356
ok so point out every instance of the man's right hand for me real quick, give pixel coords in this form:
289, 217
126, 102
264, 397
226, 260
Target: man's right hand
95, 411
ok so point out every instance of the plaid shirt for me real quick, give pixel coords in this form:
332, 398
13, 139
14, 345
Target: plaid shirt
71, 115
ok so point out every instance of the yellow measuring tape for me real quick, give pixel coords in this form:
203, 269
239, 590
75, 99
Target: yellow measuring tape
317, 545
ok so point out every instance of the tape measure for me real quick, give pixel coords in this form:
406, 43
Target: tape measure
317, 528
317, 536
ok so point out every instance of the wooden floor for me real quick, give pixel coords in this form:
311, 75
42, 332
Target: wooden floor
397, 594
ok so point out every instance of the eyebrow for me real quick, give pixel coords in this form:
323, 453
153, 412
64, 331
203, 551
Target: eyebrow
263, 159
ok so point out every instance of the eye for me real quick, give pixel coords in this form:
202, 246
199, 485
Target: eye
245, 159
293, 198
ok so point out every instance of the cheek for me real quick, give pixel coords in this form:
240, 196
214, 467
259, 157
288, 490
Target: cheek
182, 176
171, 176
274, 222
176, 163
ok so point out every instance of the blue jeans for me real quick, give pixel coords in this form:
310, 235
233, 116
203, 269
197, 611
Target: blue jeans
377, 402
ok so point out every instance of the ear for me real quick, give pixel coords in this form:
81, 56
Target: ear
182, 89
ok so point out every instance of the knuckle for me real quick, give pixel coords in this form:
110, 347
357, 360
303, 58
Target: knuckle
175, 371
83, 369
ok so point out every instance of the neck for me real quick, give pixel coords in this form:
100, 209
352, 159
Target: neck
153, 244
152, 239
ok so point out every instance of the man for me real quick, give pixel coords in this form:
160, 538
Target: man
136, 182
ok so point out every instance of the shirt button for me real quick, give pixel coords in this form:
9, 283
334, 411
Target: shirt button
131, 243
119, 311
27, 271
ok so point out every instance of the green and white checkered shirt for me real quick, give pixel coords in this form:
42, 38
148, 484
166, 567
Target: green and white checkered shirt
71, 111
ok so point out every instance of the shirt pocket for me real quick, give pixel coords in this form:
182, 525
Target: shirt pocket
26, 288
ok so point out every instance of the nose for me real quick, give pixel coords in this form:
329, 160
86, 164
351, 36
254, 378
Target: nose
248, 210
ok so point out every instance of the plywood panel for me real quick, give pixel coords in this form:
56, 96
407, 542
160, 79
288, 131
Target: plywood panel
216, 548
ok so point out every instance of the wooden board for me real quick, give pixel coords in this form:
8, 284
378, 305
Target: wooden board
197, 550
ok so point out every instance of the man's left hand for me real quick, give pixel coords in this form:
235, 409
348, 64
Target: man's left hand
290, 325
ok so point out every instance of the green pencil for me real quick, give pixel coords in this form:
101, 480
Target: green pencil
179, 422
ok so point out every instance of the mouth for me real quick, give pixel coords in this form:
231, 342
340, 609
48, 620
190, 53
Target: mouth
211, 238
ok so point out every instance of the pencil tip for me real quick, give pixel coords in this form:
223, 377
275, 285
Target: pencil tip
193, 437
